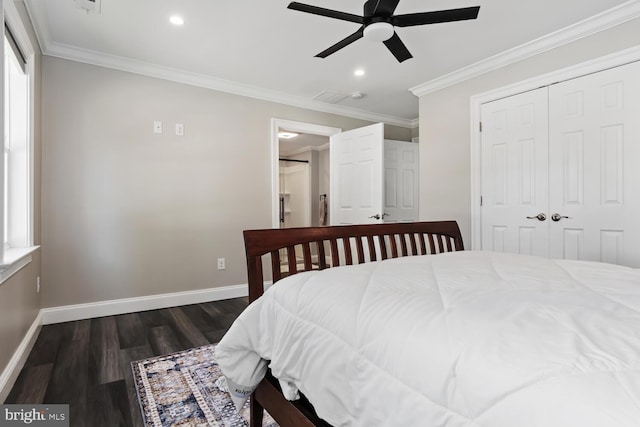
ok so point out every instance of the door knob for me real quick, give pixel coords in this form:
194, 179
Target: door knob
540, 217
376, 216
557, 217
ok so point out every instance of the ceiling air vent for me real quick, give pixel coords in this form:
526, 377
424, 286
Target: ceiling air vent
92, 6
330, 97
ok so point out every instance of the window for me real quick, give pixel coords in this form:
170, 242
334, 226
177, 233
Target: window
17, 169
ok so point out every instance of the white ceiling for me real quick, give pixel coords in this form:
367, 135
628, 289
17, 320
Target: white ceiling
262, 49
302, 142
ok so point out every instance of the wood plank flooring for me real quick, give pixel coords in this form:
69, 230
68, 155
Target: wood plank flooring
87, 363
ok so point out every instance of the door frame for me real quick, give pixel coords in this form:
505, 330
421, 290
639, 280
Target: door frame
294, 126
581, 69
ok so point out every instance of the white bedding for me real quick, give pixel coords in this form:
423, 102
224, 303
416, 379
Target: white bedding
457, 339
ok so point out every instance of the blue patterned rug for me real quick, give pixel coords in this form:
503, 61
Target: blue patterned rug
187, 389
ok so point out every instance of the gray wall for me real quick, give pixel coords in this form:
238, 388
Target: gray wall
19, 301
445, 180
129, 213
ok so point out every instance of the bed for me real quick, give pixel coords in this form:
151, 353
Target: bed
395, 324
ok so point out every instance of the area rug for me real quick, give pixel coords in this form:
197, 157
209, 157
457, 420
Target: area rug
187, 389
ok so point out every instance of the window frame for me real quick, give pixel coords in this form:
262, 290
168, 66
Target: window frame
12, 259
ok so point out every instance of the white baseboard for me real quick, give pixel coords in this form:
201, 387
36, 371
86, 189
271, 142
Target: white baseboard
69, 313
13, 368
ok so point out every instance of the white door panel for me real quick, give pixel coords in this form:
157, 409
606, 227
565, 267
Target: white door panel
401, 180
594, 159
578, 163
515, 174
356, 178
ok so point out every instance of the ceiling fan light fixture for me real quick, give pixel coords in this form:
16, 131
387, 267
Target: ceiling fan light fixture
378, 31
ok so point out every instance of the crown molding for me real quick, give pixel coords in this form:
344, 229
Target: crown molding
194, 79
87, 56
610, 18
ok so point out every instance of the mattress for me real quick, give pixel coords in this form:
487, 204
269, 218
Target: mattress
457, 339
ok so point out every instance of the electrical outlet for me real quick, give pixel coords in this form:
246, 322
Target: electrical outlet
38, 284
179, 129
221, 265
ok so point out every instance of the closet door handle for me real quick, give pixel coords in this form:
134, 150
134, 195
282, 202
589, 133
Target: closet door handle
557, 217
376, 216
540, 217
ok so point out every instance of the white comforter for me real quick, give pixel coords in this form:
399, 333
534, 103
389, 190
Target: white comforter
457, 339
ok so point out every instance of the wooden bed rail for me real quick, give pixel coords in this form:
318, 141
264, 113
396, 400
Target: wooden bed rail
294, 250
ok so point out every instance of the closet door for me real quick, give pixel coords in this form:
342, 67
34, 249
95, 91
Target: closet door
594, 166
515, 174
401, 181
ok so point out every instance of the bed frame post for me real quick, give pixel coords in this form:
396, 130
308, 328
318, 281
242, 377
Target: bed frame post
254, 273
256, 412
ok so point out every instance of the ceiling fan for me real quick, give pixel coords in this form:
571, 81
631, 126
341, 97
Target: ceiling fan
378, 22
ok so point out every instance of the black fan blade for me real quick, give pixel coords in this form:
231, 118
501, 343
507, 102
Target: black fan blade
385, 7
398, 48
342, 43
450, 15
325, 12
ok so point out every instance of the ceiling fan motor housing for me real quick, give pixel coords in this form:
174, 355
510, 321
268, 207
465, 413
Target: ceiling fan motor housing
370, 11
377, 26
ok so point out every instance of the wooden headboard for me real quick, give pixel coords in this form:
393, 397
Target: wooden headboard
294, 250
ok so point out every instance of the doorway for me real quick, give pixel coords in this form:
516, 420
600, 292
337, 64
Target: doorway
310, 146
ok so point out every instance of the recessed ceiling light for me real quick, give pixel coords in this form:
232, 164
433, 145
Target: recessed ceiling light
176, 20
359, 72
287, 135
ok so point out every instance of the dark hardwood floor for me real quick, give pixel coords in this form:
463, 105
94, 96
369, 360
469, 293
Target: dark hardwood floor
87, 363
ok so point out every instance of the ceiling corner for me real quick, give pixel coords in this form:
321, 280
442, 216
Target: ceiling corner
39, 26
600, 22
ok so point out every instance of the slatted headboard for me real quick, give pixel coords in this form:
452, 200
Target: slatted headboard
293, 250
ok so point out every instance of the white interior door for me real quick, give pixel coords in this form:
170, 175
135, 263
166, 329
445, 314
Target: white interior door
594, 160
401, 181
515, 174
356, 178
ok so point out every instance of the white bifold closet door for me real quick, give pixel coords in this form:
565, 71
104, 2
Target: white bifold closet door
515, 177
594, 165
570, 152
